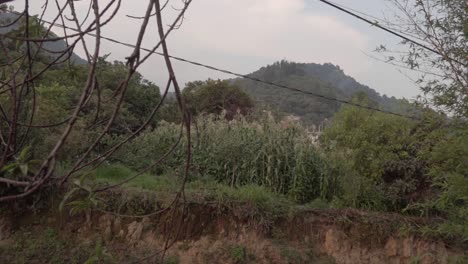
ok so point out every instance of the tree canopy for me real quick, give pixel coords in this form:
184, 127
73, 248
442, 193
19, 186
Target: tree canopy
216, 96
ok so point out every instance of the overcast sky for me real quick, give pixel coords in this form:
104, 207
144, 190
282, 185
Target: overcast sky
244, 35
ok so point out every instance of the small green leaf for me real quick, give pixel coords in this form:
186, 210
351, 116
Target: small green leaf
9, 168
24, 169
66, 197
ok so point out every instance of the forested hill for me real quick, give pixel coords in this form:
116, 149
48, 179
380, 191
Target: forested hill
324, 79
11, 25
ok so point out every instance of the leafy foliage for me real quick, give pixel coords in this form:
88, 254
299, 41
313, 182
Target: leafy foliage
394, 164
19, 169
449, 173
379, 157
57, 93
443, 26
214, 97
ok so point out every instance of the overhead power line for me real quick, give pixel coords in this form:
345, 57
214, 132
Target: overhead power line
244, 76
377, 19
389, 31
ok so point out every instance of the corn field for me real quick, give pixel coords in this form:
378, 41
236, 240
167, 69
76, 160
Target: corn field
279, 157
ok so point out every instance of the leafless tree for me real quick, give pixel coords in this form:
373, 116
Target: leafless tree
24, 71
18, 120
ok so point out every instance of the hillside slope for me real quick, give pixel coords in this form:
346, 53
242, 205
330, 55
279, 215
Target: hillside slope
50, 49
214, 232
326, 79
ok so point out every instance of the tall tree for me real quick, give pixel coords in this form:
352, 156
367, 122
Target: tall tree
442, 26
216, 96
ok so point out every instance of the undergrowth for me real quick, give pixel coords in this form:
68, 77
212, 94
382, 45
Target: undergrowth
149, 193
48, 246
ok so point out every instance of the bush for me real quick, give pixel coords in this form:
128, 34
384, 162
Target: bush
376, 156
148, 147
449, 176
395, 164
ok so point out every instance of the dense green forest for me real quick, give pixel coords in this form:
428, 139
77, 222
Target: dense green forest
240, 148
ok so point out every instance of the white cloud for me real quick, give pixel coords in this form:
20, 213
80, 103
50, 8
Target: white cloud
274, 29
275, 7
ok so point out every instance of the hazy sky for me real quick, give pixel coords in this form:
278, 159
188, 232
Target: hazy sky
244, 35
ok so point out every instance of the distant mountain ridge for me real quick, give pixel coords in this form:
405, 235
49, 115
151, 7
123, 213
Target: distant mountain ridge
323, 79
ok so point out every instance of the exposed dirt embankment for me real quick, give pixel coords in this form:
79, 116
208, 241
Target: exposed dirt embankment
210, 235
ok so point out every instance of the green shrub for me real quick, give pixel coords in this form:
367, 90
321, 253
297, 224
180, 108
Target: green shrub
148, 147
449, 176
238, 253
390, 163
376, 157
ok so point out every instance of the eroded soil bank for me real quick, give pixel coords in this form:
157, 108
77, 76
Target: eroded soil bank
210, 235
